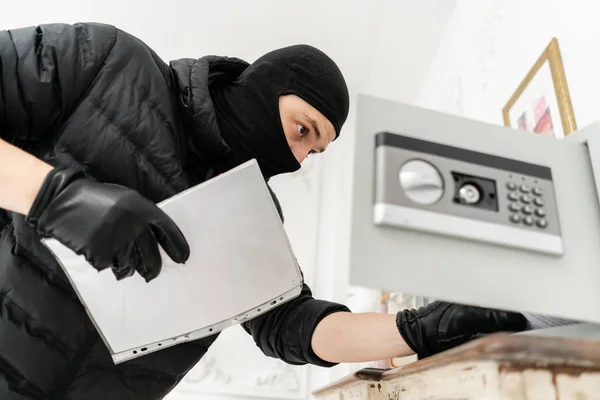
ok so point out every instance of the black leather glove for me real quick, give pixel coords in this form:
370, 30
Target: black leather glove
112, 226
440, 326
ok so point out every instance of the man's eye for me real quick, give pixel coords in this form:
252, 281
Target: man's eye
301, 130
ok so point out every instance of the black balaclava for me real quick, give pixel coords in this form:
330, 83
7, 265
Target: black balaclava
248, 108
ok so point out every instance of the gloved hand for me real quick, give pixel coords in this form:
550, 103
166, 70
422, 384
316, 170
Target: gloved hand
440, 326
112, 226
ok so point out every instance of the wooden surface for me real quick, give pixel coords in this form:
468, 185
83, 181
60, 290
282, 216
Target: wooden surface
495, 367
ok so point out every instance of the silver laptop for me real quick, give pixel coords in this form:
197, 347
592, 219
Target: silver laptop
241, 265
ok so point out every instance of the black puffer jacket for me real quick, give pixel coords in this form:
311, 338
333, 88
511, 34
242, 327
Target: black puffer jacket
95, 98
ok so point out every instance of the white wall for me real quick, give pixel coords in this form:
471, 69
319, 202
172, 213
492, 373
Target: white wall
384, 48
489, 46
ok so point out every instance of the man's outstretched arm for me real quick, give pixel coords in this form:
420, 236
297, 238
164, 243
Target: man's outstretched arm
346, 337
306, 330
431, 329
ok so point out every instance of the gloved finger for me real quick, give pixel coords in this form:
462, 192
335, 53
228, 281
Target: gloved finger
169, 236
470, 319
101, 261
149, 263
506, 321
461, 322
123, 273
124, 262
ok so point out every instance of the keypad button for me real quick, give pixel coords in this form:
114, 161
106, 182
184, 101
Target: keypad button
511, 186
540, 212
528, 220
514, 207
526, 199
537, 191
515, 218
541, 223
512, 196
525, 189
527, 210
538, 201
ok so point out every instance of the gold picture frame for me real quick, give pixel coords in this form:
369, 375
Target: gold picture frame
525, 117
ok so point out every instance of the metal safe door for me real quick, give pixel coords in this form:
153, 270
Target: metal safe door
460, 210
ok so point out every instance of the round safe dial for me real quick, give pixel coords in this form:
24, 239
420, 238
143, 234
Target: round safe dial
422, 183
469, 194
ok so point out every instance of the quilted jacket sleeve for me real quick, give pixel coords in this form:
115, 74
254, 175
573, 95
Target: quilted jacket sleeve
286, 331
44, 72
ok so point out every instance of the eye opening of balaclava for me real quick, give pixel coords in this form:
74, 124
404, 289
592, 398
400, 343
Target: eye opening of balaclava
248, 108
